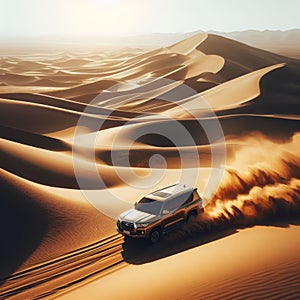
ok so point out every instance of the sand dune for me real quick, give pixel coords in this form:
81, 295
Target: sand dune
39, 219
56, 241
243, 59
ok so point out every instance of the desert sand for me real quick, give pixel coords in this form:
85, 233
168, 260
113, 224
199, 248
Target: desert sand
208, 269
55, 243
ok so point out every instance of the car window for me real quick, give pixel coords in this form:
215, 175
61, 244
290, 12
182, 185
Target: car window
173, 204
149, 206
188, 200
196, 195
177, 202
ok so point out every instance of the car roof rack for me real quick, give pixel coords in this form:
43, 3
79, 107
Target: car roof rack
171, 191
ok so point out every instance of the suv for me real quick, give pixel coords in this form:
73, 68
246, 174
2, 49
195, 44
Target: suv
160, 212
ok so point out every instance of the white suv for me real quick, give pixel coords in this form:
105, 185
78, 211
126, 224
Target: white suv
160, 212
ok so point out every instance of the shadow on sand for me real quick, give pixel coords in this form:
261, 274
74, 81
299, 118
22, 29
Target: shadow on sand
141, 251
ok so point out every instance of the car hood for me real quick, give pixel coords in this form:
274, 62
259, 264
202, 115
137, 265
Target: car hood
135, 215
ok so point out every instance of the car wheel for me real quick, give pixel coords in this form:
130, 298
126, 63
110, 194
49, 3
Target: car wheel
191, 216
155, 236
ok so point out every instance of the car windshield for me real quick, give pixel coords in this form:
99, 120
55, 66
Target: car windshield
149, 206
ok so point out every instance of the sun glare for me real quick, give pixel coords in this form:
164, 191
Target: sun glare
105, 17
105, 3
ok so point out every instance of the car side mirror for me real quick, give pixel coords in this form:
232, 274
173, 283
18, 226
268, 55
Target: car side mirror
135, 204
165, 212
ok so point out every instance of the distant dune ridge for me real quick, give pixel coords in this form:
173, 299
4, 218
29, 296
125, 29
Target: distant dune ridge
52, 238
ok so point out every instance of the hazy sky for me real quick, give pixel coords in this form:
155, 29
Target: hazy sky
97, 17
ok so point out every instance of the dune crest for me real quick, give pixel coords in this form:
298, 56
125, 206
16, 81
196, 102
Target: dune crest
186, 46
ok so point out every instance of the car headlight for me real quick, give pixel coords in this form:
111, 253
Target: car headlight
142, 224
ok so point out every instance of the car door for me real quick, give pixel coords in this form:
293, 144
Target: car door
176, 213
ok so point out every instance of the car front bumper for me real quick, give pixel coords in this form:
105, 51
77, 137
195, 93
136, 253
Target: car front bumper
135, 233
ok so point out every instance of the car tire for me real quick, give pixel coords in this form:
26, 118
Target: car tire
191, 217
155, 235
